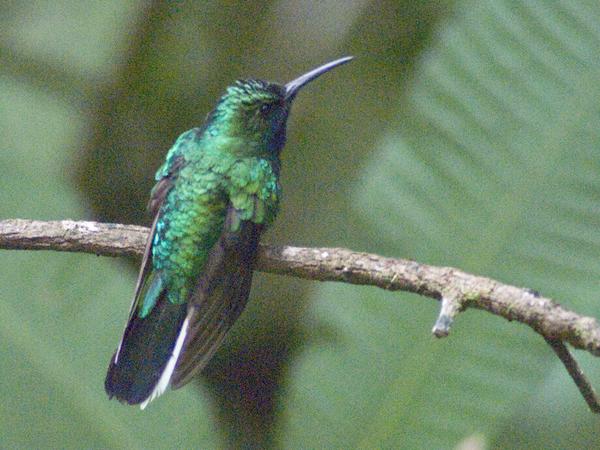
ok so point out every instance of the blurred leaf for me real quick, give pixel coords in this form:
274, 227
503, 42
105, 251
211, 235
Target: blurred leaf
492, 167
81, 38
61, 315
489, 165
535, 425
183, 56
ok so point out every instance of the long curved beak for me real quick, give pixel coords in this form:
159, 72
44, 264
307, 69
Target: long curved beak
292, 88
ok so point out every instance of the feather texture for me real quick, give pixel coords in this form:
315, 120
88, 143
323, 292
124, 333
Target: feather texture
220, 294
216, 192
210, 208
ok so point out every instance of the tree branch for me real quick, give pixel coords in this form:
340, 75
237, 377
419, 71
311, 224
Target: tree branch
581, 381
458, 290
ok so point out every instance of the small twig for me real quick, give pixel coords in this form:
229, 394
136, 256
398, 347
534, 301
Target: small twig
451, 306
458, 290
583, 384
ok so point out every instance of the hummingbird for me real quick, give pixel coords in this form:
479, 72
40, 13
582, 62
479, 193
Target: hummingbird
215, 194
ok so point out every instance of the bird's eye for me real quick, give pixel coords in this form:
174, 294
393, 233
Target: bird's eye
265, 108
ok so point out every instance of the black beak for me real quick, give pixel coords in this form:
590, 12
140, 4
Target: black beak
292, 88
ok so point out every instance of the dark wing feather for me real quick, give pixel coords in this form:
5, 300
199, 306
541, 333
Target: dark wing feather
157, 197
219, 296
164, 185
146, 344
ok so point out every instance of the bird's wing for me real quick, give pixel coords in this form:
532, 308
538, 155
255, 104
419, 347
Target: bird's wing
147, 343
220, 294
157, 197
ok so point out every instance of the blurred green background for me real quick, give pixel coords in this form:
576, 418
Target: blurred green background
466, 133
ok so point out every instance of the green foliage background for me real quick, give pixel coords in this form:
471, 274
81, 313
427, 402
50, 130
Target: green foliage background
465, 134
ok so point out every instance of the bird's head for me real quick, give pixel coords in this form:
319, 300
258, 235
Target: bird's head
255, 112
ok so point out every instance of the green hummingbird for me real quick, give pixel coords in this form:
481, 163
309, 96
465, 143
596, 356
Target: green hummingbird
216, 192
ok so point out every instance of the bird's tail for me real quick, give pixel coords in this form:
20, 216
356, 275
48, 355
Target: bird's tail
141, 368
